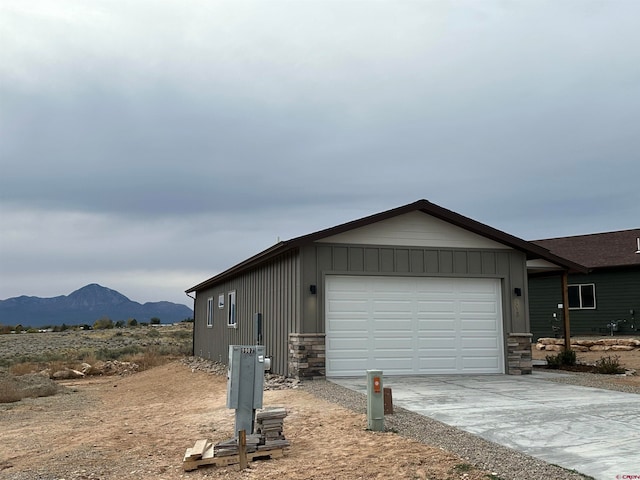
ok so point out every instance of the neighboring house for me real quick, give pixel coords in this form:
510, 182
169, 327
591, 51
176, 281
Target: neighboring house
604, 301
414, 290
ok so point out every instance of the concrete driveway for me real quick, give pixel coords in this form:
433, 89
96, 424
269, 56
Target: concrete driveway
593, 431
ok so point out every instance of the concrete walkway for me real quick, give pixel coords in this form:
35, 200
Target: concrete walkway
593, 431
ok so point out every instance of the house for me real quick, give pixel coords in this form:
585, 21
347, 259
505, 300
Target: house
418, 289
604, 301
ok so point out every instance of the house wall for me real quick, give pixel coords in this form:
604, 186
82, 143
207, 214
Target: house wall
322, 259
273, 290
414, 229
617, 292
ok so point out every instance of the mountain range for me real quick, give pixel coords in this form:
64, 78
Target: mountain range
85, 306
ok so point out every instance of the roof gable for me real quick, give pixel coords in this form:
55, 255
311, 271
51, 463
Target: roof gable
598, 250
530, 249
415, 229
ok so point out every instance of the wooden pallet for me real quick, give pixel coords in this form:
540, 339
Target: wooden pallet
202, 454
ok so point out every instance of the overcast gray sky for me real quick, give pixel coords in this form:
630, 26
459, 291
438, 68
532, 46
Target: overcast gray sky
148, 145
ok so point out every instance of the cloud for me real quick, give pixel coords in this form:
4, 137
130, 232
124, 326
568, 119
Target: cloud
140, 139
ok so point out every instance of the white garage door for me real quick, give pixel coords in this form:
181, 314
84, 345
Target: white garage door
413, 325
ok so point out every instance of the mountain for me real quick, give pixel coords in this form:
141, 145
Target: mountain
85, 306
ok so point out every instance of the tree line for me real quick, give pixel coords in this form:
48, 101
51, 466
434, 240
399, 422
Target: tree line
102, 323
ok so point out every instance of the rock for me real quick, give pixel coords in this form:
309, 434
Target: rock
540, 346
580, 348
554, 348
632, 342
67, 374
585, 343
622, 348
600, 348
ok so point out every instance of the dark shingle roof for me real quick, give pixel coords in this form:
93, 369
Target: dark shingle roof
598, 250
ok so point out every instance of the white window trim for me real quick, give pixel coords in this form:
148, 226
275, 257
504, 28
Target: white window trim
210, 312
232, 314
580, 285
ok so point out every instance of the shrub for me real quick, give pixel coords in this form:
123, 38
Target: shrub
564, 358
103, 323
609, 365
567, 357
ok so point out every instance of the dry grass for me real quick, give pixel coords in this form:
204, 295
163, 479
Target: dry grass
9, 393
14, 388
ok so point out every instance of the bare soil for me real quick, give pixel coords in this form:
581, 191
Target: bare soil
139, 427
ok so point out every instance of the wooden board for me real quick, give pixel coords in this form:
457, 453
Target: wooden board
208, 458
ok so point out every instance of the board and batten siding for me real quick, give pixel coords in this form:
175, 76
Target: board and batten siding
272, 289
322, 259
617, 292
414, 229
415, 244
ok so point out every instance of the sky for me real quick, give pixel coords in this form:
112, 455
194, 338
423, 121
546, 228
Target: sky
147, 146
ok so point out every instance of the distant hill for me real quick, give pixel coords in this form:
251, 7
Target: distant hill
85, 306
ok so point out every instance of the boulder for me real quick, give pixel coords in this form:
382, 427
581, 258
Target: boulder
554, 348
622, 348
540, 346
580, 348
600, 348
67, 374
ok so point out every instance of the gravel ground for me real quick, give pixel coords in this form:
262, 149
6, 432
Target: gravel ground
596, 381
505, 463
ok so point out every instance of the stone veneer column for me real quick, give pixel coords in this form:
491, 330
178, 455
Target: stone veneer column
519, 354
306, 355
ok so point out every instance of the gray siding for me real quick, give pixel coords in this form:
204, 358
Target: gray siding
617, 292
272, 289
322, 259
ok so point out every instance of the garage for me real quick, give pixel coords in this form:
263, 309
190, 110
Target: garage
413, 325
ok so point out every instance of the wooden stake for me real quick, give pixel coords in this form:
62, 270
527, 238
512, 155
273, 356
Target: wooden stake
242, 449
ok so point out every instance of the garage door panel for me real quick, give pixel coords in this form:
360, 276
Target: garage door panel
468, 343
349, 325
437, 364
348, 343
437, 343
434, 306
391, 325
479, 363
437, 326
347, 305
479, 325
397, 344
413, 325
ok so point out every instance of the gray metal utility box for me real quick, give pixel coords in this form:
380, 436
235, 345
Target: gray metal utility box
245, 383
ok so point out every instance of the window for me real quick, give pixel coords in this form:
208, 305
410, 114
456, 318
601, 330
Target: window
221, 301
210, 312
231, 311
582, 296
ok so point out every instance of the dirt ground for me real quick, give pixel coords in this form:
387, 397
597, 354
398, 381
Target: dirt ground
139, 427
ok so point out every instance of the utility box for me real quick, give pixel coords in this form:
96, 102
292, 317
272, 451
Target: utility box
245, 383
375, 401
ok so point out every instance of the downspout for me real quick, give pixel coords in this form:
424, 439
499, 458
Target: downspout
193, 330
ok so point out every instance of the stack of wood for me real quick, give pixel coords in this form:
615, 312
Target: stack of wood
230, 447
267, 441
270, 426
